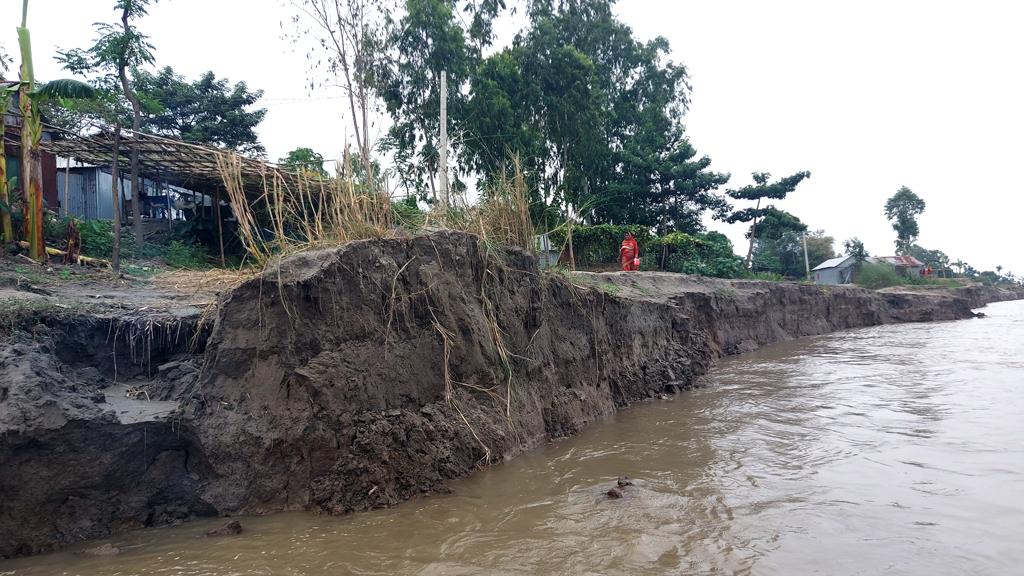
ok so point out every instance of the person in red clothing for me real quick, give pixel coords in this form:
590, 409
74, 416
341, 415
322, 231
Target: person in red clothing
629, 253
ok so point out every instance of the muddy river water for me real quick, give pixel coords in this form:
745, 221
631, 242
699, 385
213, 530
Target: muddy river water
887, 450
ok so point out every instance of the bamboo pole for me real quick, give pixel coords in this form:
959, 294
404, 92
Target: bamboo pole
220, 228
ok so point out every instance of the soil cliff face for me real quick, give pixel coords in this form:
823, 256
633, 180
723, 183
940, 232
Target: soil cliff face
360, 376
357, 377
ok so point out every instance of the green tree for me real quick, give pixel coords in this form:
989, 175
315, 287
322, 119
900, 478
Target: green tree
937, 259
762, 189
430, 37
902, 209
208, 110
120, 48
304, 160
596, 116
855, 247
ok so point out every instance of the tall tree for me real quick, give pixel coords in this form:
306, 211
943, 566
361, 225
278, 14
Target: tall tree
352, 35
855, 247
762, 189
596, 115
428, 38
208, 110
902, 209
120, 48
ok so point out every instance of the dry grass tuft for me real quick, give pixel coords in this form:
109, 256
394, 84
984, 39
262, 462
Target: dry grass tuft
301, 211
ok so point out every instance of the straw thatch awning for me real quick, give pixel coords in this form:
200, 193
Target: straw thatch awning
184, 164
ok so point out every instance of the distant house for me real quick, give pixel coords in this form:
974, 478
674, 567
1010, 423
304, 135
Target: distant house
907, 265
89, 194
835, 271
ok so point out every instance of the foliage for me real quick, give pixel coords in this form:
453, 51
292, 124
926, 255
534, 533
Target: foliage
98, 238
597, 116
878, 275
208, 110
855, 247
599, 244
775, 223
784, 255
184, 255
937, 259
305, 159
902, 209
407, 214
760, 190
707, 254
430, 37
5, 61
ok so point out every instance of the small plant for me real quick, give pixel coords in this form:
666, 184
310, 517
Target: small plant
877, 276
181, 255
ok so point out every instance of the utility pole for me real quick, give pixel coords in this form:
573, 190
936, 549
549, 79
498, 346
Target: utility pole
444, 139
807, 263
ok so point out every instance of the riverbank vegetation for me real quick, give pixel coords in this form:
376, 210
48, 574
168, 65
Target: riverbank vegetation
574, 129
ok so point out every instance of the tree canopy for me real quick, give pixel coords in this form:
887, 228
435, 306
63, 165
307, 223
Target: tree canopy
305, 159
902, 209
207, 110
855, 247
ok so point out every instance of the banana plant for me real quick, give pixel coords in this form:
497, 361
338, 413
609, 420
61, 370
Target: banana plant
30, 98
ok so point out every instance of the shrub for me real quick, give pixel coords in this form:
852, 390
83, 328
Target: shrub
98, 239
599, 244
878, 275
182, 255
708, 254
407, 214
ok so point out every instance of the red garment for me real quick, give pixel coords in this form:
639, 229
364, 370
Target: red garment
629, 254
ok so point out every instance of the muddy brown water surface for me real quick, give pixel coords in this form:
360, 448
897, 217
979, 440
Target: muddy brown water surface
895, 449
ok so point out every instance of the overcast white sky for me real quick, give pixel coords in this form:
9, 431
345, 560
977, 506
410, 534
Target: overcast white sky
868, 96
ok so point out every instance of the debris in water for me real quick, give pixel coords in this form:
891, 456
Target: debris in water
614, 493
623, 481
230, 529
103, 550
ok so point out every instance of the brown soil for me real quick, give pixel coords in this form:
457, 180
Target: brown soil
356, 377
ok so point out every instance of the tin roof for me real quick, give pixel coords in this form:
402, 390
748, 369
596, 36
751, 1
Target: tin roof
904, 261
832, 263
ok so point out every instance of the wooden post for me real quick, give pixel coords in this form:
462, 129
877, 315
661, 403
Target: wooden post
444, 140
64, 208
220, 227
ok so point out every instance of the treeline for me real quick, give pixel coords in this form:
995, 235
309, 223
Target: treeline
594, 114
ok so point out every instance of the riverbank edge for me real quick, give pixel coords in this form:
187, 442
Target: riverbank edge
358, 377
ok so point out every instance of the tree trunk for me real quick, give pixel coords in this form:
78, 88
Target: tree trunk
136, 126
31, 179
5, 194
115, 200
753, 234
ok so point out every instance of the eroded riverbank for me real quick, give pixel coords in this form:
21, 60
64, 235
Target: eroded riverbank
358, 377
891, 449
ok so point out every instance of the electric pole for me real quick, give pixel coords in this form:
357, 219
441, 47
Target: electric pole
807, 263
